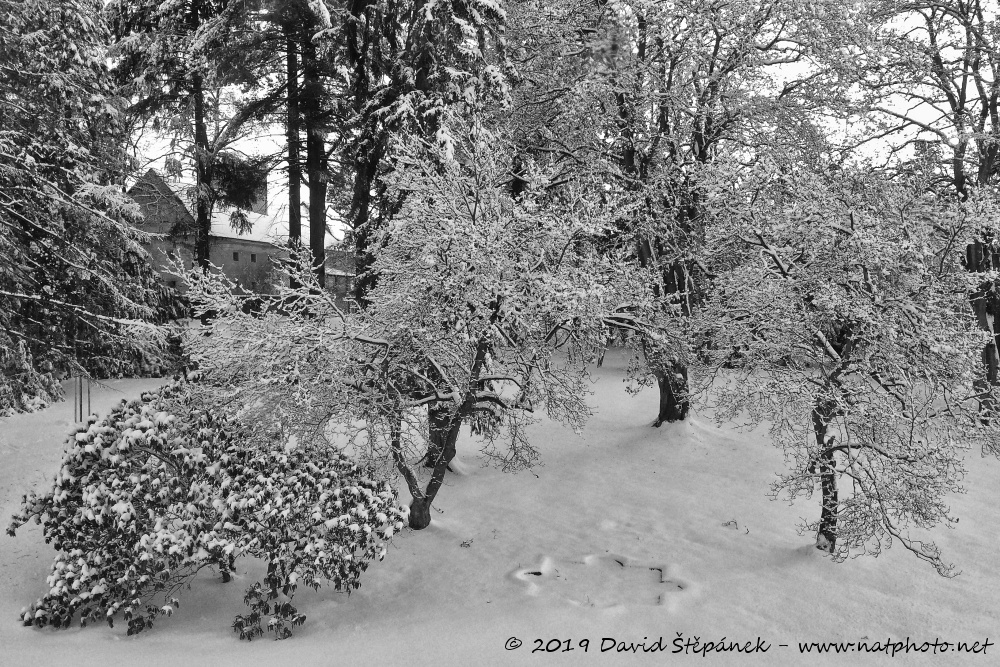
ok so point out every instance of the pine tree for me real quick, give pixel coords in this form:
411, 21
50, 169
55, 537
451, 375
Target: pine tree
173, 63
74, 278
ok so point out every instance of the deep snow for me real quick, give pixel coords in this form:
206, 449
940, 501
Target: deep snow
627, 531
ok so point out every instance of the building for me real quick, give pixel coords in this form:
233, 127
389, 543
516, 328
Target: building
340, 272
248, 262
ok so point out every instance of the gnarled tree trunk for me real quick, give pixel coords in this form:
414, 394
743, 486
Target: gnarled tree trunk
444, 434
672, 382
671, 377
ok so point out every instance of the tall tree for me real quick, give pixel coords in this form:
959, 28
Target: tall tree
638, 97
74, 277
408, 62
316, 120
921, 89
285, 47
293, 134
159, 62
690, 79
172, 63
842, 322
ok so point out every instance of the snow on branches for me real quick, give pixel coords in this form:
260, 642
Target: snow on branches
76, 288
167, 485
486, 309
847, 328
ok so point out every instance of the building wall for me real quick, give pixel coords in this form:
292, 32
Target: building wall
163, 211
163, 251
247, 263
340, 272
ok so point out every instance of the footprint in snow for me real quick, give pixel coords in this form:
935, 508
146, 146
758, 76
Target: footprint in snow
603, 582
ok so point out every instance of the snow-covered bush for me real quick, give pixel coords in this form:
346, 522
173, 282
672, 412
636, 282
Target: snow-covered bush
844, 300
167, 485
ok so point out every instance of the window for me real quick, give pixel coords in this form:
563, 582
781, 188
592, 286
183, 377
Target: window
253, 257
236, 256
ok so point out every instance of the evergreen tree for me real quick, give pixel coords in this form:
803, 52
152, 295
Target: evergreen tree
173, 64
74, 277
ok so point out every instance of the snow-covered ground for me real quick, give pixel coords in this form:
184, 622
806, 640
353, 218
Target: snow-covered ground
627, 532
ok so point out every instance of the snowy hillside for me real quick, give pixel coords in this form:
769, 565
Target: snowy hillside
626, 532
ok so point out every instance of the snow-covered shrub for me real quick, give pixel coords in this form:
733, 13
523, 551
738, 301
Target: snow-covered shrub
167, 485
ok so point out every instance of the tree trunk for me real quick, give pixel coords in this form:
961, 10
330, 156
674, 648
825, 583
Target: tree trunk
316, 161
444, 427
292, 137
826, 536
978, 260
364, 155
365, 172
420, 513
203, 203
672, 379
438, 420
672, 382
420, 508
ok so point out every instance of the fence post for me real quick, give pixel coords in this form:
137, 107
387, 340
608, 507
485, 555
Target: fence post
78, 384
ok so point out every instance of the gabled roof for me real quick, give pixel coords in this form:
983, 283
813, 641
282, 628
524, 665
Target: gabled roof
163, 211
166, 212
